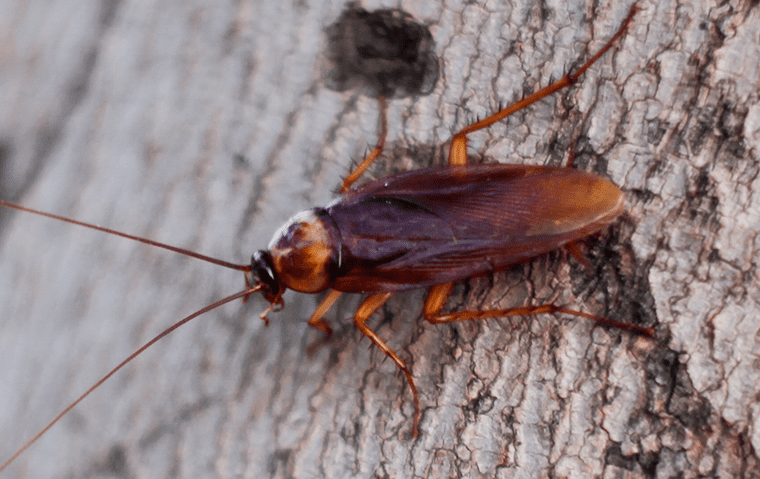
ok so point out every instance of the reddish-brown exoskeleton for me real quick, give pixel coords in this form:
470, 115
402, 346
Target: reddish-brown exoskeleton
426, 228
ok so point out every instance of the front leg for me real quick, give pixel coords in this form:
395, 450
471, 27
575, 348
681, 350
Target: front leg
316, 317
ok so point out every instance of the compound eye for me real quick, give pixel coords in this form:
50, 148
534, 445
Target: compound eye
263, 272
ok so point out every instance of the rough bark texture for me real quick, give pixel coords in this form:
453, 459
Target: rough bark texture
207, 124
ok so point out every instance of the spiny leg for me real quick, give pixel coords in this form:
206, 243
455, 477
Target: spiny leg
437, 296
359, 170
458, 149
371, 304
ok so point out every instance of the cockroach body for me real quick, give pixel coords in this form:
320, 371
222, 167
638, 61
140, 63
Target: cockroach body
425, 228
433, 226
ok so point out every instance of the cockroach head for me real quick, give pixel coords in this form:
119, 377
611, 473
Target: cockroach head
263, 273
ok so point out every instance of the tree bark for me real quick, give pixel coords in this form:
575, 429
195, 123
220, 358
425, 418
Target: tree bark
206, 125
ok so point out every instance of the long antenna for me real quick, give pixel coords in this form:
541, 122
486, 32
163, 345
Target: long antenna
238, 267
132, 356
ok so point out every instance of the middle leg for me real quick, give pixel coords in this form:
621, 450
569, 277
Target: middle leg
368, 307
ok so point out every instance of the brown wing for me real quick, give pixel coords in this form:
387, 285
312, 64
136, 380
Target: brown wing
444, 224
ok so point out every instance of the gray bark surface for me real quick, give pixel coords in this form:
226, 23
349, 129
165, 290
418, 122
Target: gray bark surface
206, 125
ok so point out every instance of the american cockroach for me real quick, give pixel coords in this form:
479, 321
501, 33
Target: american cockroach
422, 229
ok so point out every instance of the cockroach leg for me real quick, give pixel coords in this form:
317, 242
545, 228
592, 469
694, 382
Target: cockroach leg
574, 248
316, 318
368, 307
276, 302
438, 294
359, 170
571, 155
458, 149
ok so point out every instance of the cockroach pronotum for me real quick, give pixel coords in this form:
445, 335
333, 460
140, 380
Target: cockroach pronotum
421, 229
